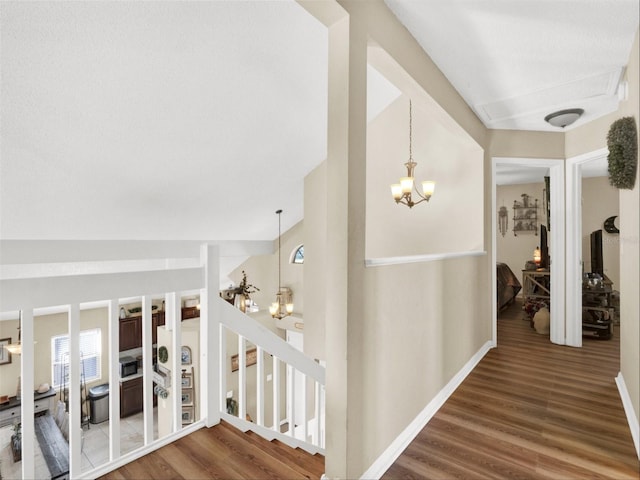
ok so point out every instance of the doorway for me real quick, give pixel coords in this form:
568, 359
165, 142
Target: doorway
556, 238
574, 268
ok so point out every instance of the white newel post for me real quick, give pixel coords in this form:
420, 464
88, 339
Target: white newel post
27, 402
210, 338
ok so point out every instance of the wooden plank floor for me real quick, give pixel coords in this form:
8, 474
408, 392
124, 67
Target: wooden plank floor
223, 452
530, 409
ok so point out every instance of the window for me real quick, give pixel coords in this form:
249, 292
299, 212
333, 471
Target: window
298, 255
90, 352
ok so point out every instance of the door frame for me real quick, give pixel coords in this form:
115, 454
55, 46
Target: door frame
574, 243
556, 239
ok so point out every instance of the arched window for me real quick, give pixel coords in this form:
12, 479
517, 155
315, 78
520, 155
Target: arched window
298, 255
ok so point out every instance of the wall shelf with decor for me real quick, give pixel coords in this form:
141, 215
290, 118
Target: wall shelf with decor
188, 398
525, 216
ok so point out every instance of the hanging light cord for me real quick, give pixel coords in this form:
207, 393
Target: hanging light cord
410, 133
279, 249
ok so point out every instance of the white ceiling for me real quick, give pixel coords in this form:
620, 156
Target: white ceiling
515, 61
197, 120
159, 120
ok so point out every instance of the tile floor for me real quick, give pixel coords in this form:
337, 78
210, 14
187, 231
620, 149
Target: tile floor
95, 446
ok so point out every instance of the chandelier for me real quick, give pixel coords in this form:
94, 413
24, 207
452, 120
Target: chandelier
283, 306
402, 191
16, 348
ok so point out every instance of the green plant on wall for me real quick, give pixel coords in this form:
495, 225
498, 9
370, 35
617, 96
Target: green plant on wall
622, 141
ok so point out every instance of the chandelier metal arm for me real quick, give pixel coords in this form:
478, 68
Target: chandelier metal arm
408, 201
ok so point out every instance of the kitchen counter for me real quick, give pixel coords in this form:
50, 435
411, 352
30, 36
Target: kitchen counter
131, 377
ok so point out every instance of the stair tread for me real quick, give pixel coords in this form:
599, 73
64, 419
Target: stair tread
303, 462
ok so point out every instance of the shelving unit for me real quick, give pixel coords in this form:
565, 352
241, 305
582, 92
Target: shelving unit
525, 216
64, 390
188, 396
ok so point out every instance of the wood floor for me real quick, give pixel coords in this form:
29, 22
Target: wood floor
530, 409
223, 452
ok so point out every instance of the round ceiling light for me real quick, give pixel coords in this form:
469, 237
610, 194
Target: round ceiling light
562, 118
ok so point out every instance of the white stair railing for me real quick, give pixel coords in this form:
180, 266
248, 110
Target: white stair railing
35, 289
272, 358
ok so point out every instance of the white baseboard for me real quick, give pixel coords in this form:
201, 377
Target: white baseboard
628, 410
393, 451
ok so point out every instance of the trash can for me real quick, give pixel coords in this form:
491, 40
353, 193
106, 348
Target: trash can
99, 403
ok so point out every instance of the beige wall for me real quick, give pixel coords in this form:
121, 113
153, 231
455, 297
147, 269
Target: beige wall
262, 271
599, 202
525, 144
46, 327
588, 138
315, 247
393, 333
450, 222
516, 250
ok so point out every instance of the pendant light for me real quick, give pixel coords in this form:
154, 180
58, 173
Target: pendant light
402, 191
283, 304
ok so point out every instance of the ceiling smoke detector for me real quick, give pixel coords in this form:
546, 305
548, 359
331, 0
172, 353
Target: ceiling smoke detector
562, 118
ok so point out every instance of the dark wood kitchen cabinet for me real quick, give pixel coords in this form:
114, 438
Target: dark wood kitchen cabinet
130, 333
131, 397
157, 320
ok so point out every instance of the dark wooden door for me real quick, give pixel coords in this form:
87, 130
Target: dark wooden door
131, 397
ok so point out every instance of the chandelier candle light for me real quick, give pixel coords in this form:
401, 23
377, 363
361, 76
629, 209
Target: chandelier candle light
283, 306
402, 191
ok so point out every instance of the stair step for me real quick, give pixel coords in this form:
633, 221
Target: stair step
314, 463
311, 466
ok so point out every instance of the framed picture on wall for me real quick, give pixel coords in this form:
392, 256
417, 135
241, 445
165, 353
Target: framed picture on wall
251, 359
187, 396
187, 380
186, 355
187, 415
5, 355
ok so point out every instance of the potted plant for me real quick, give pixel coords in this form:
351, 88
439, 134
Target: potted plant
243, 292
16, 442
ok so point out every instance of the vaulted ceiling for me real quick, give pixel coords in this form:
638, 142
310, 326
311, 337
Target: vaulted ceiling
197, 120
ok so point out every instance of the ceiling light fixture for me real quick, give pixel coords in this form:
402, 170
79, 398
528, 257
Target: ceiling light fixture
402, 191
283, 306
562, 118
16, 348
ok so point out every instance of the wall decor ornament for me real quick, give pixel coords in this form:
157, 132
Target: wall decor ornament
622, 141
163, 354
5, 354
503, 220
185, 357
610, 226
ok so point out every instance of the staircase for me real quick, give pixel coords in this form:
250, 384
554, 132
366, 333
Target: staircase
304, 415
223, 451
